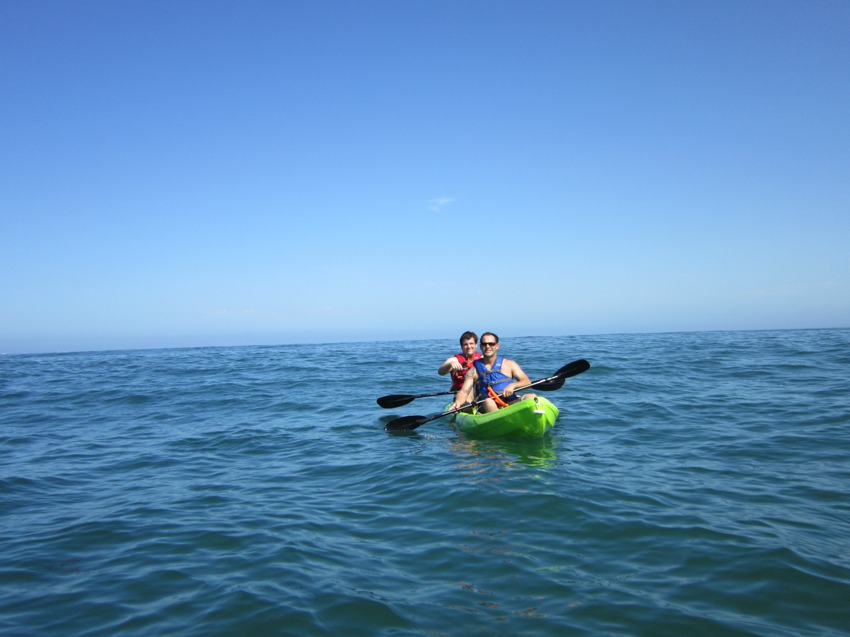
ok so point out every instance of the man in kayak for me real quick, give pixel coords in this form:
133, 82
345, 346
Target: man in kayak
494, 378
461, 363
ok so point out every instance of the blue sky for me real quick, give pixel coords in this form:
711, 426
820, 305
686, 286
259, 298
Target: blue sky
219, 173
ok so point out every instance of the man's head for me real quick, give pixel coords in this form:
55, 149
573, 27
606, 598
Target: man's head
489, 343
468, 343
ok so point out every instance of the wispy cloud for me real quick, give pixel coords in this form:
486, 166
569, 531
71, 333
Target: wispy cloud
439, 203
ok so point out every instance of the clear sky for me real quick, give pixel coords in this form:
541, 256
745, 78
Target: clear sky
201, 172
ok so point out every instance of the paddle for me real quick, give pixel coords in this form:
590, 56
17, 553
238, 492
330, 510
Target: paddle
555, 381
399, 400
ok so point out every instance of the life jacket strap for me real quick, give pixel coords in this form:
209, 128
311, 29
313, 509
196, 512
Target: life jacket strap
492, 393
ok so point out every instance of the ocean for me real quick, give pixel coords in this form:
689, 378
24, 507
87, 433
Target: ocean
694, 484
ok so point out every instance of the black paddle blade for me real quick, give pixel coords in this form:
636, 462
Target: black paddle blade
406, 423
395, 400
573, 369
556, 381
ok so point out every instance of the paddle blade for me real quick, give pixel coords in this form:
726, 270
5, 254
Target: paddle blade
406, 423
556, 381
573, 369
395, 400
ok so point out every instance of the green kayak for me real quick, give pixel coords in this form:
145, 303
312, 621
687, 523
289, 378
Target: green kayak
527, 418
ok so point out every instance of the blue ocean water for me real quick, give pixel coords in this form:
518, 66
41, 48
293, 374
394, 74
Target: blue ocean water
695, 484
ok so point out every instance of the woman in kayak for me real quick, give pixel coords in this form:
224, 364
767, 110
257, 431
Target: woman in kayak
494, 378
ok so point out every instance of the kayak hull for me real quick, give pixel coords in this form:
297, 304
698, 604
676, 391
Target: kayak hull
531, 418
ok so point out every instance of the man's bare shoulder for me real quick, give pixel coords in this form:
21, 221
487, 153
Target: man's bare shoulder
509, 364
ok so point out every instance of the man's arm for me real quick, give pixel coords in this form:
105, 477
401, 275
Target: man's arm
515, 372
464, 394
451, 364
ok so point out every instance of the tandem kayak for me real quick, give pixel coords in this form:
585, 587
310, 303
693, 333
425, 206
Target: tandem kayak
530, 418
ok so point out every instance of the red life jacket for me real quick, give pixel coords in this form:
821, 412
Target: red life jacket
457, 377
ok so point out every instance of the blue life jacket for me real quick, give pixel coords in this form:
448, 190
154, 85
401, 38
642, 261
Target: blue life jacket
493, 378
